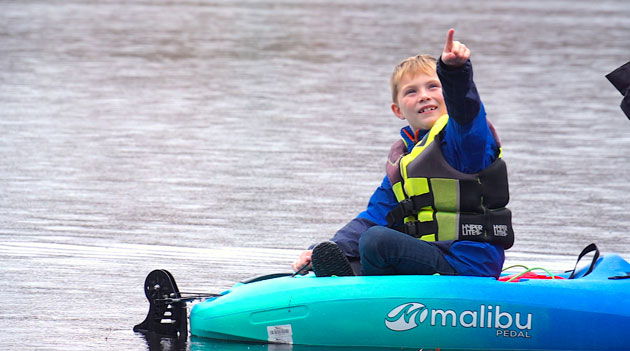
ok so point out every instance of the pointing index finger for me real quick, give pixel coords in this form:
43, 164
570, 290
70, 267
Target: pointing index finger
449, 40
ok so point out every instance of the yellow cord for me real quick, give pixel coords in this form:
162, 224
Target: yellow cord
526, 271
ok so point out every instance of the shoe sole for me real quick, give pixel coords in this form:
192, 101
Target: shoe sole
329, 260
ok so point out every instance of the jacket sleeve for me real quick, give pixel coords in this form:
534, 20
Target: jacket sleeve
381, 202
468, 144
460, 92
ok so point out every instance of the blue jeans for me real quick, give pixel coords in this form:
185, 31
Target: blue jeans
385, 251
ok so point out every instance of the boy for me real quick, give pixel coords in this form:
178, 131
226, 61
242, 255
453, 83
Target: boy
446, 183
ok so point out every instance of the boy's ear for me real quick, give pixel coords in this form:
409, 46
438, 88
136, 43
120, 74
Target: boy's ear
396, 111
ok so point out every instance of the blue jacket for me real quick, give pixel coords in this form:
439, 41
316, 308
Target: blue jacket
469, 146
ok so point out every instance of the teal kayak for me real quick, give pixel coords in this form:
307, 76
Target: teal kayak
591, 312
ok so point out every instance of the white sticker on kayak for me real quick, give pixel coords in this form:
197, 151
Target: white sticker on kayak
280, 334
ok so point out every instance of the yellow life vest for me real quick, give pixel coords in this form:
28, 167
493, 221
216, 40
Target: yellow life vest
438, 202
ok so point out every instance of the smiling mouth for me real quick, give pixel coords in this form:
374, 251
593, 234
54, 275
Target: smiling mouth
427, 109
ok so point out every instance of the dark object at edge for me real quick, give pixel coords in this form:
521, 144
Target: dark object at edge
620, 78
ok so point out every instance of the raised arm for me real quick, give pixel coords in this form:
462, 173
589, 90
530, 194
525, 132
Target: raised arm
456, 75
469, 144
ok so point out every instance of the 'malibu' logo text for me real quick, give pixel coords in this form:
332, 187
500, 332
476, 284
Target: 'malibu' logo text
409, 315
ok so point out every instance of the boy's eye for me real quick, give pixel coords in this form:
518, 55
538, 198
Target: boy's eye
410, 91
434, 85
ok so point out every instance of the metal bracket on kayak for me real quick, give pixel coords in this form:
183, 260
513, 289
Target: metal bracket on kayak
167, 311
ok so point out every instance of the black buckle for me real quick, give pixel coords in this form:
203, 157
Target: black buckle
410, 228
407, 207
398, 213
419, 229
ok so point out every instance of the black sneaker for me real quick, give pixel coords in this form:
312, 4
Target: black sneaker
328, 260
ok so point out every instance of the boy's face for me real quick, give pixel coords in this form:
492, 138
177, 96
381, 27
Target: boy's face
420, 100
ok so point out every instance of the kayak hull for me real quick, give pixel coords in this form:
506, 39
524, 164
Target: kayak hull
450, 312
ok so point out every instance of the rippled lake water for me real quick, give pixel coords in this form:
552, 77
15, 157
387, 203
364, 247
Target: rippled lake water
216, 139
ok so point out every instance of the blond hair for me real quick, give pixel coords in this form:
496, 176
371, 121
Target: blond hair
411, 66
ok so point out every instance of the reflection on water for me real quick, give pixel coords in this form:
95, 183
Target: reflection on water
216, 139
157, 343
202, 344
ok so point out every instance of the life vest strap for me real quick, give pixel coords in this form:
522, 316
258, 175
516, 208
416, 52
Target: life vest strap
418, 229
409, 207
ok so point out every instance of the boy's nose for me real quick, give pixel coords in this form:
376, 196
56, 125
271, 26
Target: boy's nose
423, 96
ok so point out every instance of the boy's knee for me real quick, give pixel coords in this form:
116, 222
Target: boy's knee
372, 239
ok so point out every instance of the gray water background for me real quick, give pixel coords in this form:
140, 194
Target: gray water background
216, 139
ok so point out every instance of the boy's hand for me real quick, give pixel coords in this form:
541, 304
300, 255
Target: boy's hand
455, 54
302, 261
